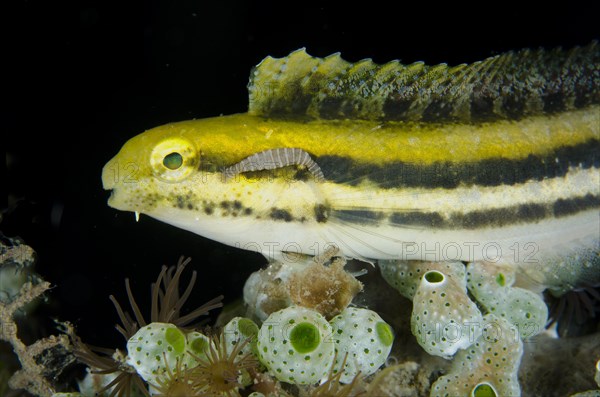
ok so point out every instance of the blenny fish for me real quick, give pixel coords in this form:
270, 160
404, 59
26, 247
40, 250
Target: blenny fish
496, 160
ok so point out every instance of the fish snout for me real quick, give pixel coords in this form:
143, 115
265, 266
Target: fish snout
110, 175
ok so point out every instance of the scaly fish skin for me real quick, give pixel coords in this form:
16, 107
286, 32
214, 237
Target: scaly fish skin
509, 187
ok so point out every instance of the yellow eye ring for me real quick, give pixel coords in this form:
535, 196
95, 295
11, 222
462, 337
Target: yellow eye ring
174, 159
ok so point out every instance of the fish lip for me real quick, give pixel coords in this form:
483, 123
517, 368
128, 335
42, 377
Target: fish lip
111, 198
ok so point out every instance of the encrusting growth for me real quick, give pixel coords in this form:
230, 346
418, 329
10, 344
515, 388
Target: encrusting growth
326, 289
312, 283
33, 375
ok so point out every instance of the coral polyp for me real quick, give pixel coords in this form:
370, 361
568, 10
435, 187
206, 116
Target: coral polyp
220, 372
174, 382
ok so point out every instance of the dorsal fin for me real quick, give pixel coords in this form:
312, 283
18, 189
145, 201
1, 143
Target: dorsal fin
508, 86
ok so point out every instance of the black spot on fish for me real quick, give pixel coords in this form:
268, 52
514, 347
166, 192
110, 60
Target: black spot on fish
554, 102
321, 213
330, 108
302, 174
396, 107
482, 106
438, 110
514, 107
237, 205
209, 208
190, 206
247, 211
280, 215
180, 202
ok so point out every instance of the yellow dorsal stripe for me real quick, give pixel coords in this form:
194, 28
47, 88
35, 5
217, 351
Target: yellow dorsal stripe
232, 138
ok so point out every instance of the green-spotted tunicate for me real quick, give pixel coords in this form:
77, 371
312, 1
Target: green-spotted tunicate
443, 317
489, 367
491, 285
237, 331
157, 345
295, 345
197, 346
405, 276
363, 339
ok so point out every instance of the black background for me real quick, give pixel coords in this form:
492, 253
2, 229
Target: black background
80, 78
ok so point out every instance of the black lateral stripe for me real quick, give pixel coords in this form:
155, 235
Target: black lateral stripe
362, 216
449, 175
568, 207
415, 218
497, 217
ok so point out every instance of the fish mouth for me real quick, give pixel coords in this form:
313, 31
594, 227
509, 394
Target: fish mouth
113, 201
111, 197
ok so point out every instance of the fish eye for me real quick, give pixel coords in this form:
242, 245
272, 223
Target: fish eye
173, 161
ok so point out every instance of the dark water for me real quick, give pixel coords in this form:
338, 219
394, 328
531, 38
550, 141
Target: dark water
83, 77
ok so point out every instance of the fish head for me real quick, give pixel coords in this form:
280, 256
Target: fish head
151, 168
177, 174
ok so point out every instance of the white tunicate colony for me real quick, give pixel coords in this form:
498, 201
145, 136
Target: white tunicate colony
443, 317
406, 276
491, 285
295, 344
488, 367
363, 340
158, 345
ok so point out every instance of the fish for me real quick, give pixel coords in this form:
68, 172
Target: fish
497, 160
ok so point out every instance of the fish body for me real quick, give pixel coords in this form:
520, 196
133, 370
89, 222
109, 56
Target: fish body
387, 161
